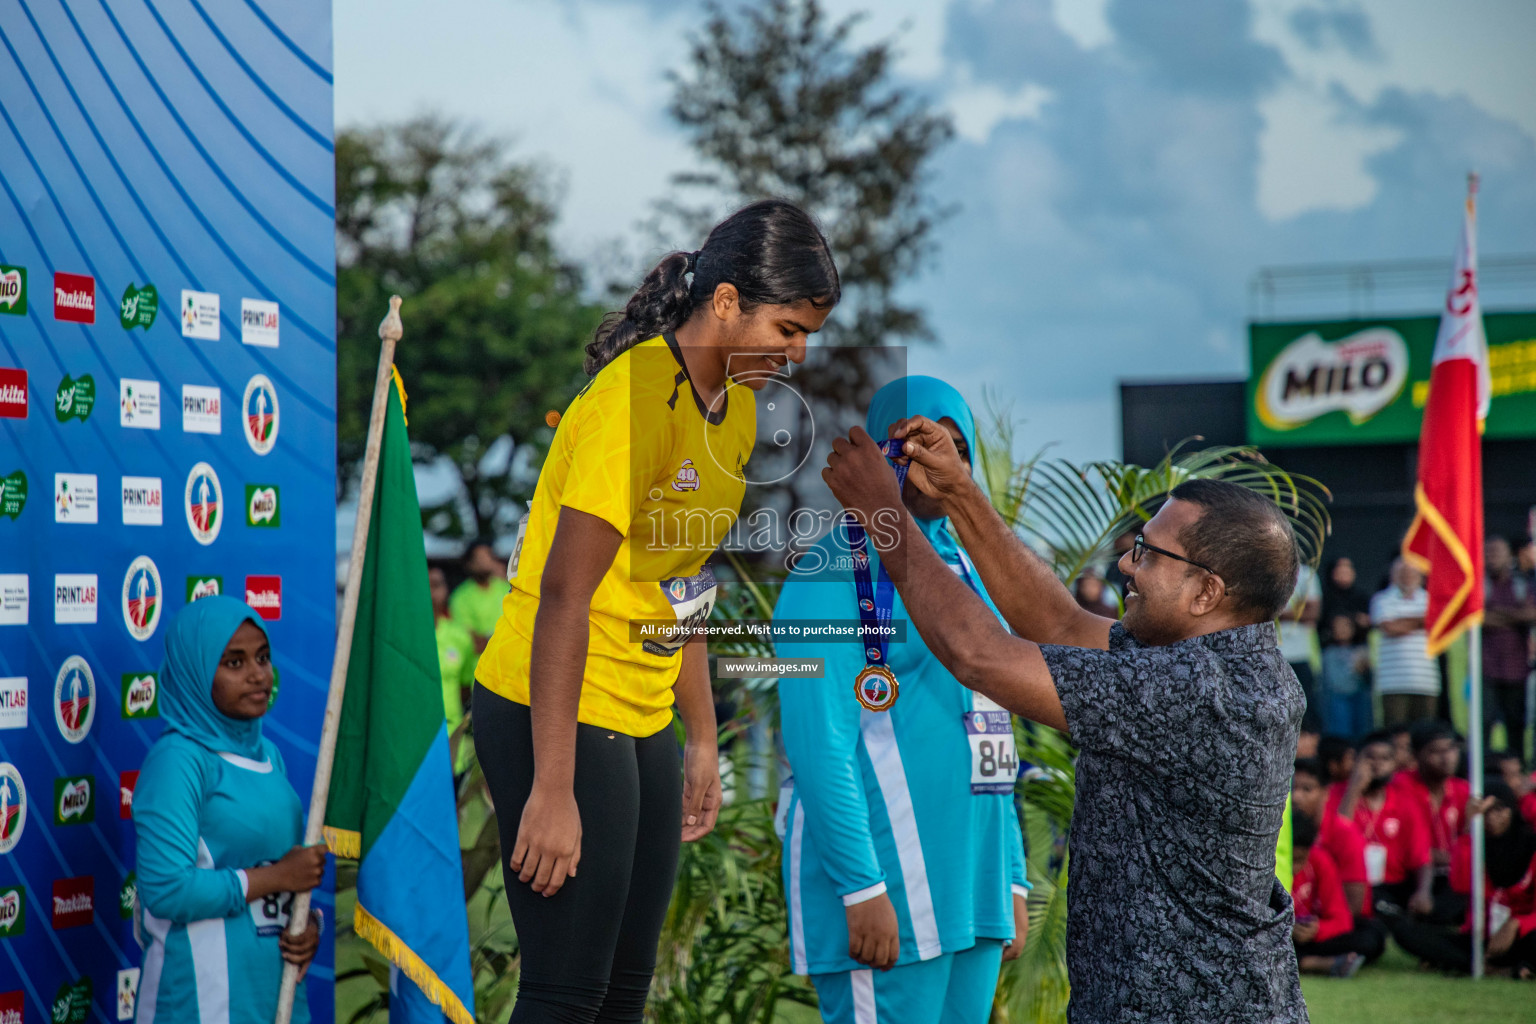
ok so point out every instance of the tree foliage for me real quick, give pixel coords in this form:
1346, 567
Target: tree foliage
494, 318
778, 101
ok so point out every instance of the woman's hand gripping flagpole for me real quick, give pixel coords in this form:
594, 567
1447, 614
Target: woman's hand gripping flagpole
390, 332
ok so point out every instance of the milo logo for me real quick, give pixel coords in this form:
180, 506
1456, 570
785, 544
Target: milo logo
261, 508
13, 290
141, 695
138, 307
75, 398
72, 1004
13, 495
204, 586
74, 801
13, 912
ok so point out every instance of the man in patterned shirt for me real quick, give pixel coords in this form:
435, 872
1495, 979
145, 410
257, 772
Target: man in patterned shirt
1185, 714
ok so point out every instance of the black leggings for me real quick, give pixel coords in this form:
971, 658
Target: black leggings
1451, 950
1369, 939
588, 952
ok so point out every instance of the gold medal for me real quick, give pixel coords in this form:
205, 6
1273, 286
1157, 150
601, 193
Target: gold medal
875, 687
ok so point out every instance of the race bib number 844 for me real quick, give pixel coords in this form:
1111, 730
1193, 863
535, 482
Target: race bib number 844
994, 760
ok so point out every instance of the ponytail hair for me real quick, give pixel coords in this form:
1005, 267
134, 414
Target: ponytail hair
771, 250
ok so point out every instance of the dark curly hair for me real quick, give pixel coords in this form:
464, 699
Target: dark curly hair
771, 250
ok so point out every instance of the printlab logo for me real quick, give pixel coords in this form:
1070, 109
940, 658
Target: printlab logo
14, 598
141, 598
74, 497
141, 695
127, 782
13, 394
258, 322
75, 398
143, 501
139, 403
74, 298
199, 587
265, 594
13, 914
200, 410
74, 598
13, 290
261, 508
72, 1005
74, 699
13, 702
200, 315
138, 307
13, 806
13, 494
259, 414
127, 992
74, 800
204, 503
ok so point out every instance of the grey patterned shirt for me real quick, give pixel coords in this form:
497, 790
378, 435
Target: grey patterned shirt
1173, 910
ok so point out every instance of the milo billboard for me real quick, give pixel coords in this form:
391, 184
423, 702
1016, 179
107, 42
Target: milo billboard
1366, 381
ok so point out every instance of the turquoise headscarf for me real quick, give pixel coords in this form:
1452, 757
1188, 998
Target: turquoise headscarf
930, 397
194, 643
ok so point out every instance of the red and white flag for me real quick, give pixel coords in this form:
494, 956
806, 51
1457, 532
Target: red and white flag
1446, 538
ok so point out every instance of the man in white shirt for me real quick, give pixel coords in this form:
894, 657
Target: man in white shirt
1298, 630
1407, 678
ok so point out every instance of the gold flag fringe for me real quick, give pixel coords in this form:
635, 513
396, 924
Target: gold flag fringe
405, 958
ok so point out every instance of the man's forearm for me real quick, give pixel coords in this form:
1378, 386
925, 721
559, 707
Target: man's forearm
693, 696
1032, 600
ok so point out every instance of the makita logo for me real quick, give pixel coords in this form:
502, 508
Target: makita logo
73, 904
13, 393
74, 298
74, 901
265, 594
70, 299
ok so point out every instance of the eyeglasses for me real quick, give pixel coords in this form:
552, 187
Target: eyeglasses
1141, 547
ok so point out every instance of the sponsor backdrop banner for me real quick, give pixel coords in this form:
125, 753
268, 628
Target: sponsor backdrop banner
167, 423
1365, 381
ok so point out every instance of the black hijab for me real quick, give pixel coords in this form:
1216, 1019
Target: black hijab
1507, 857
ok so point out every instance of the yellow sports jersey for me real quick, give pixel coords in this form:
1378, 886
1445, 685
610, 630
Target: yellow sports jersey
639, 449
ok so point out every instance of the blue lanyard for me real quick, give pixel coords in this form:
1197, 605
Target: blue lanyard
875, 600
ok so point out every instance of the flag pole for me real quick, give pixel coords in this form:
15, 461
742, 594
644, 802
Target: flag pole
1475, 777
390, 332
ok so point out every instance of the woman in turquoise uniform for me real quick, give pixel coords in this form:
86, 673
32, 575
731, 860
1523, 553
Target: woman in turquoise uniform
218, 828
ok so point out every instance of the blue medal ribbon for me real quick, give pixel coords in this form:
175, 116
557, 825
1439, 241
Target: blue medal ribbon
875, 599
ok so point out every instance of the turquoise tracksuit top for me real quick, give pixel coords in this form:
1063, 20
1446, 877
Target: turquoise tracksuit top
200, 817
883, 798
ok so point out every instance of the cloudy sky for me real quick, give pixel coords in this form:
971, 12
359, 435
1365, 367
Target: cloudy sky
1123, 167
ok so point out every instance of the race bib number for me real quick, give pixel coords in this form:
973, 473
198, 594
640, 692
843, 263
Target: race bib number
271, 912
1498, 917
994, 761
1375, 863
692, 599
517, 548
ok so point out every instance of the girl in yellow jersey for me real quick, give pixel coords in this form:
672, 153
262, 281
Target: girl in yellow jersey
574, 694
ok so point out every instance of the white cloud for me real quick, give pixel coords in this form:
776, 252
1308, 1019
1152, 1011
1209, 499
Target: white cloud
977, 109
1310, 159
1086, 21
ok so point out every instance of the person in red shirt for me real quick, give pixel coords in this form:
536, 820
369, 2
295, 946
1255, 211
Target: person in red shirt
1336, 835
1508, 765
1441, 800
1509, 892
1397, 859
1327, 940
